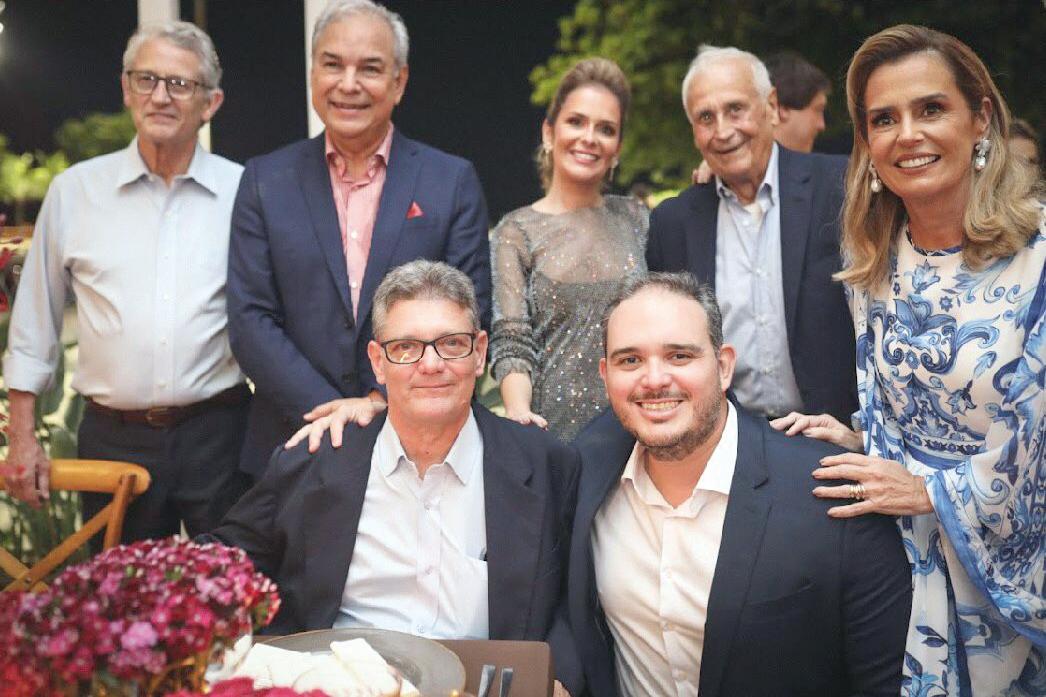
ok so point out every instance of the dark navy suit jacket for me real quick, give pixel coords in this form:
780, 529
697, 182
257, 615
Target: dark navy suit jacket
800, 603
290, 312
298, 525
817, 317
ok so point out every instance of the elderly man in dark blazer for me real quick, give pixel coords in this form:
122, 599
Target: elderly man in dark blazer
701, 563
764, 233
440, 519
317, 224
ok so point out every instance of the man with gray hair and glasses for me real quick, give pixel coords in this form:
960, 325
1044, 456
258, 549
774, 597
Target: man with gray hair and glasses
140, 237
437, 518
318, 223
764, 233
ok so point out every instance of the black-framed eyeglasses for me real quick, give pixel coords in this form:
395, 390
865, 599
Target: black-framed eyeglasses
144, 83
449, 347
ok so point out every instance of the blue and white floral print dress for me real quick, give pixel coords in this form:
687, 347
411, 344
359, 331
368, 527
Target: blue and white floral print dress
951, 368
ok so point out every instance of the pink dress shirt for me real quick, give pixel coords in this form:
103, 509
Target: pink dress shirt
357, 203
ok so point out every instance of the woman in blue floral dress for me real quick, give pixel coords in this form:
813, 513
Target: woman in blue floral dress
946, 250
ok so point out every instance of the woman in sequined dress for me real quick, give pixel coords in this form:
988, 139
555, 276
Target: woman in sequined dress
557, 262
945, 239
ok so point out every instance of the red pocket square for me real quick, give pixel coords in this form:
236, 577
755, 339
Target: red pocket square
414, 211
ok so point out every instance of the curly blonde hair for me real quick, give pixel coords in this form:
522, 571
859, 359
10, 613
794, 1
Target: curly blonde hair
590, 71
1002, 213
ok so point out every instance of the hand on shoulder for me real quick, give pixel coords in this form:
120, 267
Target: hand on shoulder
333, 416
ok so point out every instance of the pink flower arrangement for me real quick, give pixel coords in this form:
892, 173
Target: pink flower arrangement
129, 613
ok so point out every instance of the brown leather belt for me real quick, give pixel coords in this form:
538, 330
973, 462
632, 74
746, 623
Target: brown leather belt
169, 417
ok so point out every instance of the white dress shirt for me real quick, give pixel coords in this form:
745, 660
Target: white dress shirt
147, 265
419, 565
750, 291
654, 566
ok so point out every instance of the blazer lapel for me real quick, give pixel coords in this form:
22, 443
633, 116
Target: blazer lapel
743, 527
514, 514
794, 177
396, 197
605, 447
332, 512
701, 234
319, 199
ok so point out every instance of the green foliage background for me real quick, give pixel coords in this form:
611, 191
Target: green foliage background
24, 177
654, 41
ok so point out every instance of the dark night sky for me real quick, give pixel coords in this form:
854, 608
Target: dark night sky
468, 91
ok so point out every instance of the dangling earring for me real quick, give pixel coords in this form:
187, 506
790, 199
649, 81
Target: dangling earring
980, 160
876, 185
613, 170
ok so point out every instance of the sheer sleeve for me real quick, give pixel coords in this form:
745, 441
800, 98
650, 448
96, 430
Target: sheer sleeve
640, 216
512, 345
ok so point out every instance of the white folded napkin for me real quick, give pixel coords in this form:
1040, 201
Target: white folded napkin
352, 669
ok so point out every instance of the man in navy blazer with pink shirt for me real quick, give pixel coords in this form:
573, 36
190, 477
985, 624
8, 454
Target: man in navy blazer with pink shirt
317, 224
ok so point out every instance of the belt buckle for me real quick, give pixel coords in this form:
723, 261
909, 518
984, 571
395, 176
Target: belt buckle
159, 417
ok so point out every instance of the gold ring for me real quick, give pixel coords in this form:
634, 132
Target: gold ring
857, 491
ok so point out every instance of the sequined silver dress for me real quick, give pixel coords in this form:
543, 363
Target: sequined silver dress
554, 275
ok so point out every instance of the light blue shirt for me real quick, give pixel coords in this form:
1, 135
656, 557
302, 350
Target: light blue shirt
419, 562
147, 266
751, 297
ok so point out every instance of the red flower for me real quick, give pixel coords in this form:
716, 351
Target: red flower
129, 612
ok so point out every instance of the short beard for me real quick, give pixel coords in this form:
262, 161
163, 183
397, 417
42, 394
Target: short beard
689, 440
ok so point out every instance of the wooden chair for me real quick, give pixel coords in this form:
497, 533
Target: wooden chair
121, 479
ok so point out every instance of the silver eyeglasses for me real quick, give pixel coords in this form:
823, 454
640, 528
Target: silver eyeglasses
144, 83
449, 347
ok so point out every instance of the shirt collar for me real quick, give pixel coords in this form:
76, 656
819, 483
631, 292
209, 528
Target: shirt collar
380, 157
718, 474
461, 458
767, 191
201, 171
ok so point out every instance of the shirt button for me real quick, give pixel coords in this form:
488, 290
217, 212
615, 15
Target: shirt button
429, 570
162, 383
354, 234
354, 285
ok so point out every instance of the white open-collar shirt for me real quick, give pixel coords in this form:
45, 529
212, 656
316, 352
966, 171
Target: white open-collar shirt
419, 564
654, 566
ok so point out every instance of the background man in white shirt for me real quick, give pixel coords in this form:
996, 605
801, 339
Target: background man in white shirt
437, 518
701, 561
141, 239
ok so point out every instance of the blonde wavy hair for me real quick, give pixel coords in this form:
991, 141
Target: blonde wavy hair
1002, 213
589, 71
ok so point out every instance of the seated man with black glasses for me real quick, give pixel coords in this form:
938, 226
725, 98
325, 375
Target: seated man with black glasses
456, 522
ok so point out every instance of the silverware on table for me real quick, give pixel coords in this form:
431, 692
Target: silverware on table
486, 680
506, 681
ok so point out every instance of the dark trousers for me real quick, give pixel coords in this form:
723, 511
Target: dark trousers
194, 468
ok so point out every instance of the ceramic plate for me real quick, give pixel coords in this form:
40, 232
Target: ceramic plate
433, 668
